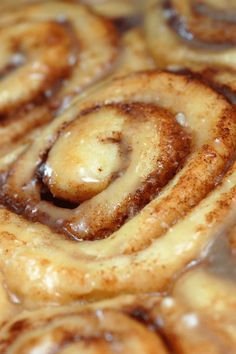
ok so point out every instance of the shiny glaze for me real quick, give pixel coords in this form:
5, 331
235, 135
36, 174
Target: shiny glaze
141, 171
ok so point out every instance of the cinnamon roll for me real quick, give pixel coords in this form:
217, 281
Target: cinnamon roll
107, 327
116, 172
34, 83
197, 317
196, 35
34, 35
117, 181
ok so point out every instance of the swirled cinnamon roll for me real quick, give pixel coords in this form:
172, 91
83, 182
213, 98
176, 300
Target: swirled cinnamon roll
197, 317
34, 34
116, 172
50, 51
108, 327
196, 35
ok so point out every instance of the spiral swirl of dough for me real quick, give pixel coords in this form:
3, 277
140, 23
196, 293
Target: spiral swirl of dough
101, 328
34, 83
116, 171
118, 156
201, 34
196, 317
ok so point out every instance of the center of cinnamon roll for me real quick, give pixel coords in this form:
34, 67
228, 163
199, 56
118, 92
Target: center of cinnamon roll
106, 165
86, 157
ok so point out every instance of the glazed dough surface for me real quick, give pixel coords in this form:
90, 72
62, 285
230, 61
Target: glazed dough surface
117, 178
